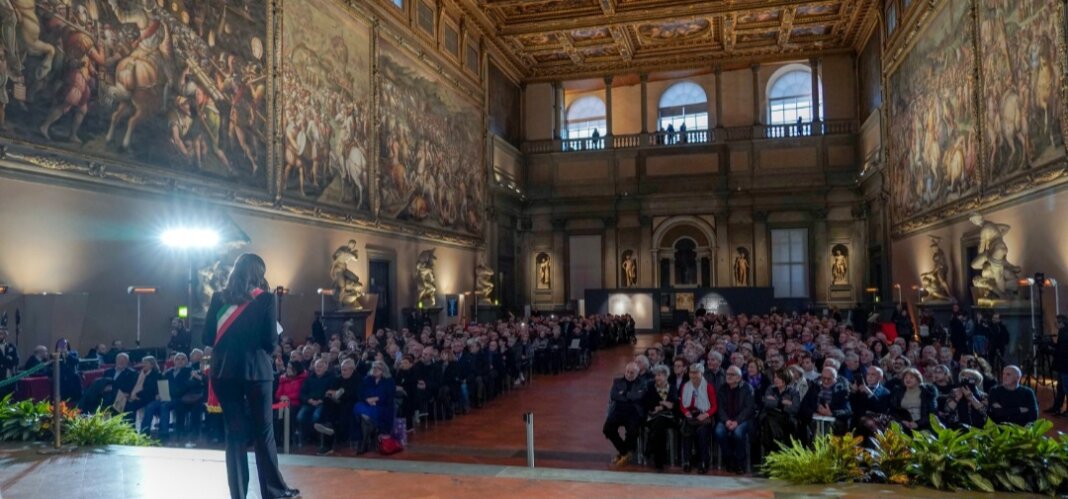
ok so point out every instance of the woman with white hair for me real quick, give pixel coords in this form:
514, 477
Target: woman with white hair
375, 409
698, 407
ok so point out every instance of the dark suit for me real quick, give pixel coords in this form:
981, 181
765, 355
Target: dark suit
242, 374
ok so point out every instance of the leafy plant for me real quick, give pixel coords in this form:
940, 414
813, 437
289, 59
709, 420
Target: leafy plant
945, 459
829, 459
24, 420
890, 456
1021, 458
103, 428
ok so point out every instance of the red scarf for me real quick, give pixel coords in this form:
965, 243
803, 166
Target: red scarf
223, 320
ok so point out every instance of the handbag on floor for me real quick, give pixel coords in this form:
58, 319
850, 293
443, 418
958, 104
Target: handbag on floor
388, 446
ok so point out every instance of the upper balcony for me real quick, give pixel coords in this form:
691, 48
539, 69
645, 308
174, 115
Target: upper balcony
694, 137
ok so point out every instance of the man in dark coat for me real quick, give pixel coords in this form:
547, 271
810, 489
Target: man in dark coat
625, 410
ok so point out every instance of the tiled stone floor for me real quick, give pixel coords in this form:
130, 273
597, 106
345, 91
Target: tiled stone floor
160, 473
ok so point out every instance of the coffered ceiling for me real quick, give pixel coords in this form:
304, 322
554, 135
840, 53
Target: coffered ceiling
554, 39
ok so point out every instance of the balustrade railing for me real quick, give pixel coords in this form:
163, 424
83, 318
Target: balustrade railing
692, 137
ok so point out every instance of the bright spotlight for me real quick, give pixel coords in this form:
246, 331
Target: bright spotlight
190, 238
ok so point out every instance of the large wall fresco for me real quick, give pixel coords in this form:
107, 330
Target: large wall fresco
175, 84
870, 73
431, 167
933, 133
504, 106
1020, 95
326, 105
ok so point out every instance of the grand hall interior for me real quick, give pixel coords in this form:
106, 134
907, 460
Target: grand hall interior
533, 248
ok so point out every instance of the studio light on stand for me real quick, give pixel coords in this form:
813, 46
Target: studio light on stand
1052, 283
190, 240
140, 291
919, 292
1030, 284
279, 293
897, 289
323, 293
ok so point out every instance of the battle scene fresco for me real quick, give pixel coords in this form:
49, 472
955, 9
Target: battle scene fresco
1021, 101
430, 147
178, 84
933, 149
326, 105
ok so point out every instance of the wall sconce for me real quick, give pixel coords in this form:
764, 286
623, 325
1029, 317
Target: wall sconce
140, 291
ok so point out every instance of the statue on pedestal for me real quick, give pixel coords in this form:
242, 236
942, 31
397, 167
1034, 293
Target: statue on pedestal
839, 265
936, 281
630, 269
484, 283
424, 277
741, 266
992, 260
347, 286
544, 269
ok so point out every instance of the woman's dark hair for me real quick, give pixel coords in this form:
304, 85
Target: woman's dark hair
297, 367
248, 274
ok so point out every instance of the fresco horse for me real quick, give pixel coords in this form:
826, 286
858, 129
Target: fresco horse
353, 168
1010, 126
28, 30
141, 78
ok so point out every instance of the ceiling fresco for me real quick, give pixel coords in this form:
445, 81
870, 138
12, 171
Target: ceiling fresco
568, 38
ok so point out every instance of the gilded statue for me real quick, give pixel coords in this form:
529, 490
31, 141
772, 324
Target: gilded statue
484, 283
544, 268
839, 265
741, 267
935, 282
424, 277
992, 260
347, 286
630, 270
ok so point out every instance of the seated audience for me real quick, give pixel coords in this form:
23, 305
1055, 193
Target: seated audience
625, 410
117, 380
1011, 402
374, 411
912, 402
177, 379
697, 403
780, 405
833, 400
338, 404
145, 389
661, 404
967, 404
312, 392
735, 410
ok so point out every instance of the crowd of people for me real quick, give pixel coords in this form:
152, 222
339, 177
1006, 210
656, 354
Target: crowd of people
341, 386
743, 385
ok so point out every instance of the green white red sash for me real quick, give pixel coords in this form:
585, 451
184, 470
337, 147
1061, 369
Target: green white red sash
223, 320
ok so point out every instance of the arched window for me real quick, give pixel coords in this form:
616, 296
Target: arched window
790, 95
684, 103
584, 116
685, 262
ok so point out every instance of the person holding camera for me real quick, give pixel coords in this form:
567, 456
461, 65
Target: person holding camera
967, 404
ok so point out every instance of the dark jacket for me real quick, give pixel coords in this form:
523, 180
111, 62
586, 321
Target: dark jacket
351, 393
315, 387
928, 404
1017, 406
150, 388
1060, 352
244, 352
652, 400
178, 381
735, 404
626, 398
878, 402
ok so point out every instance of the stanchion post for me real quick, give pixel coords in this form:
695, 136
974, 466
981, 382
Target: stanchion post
528, 418
57, 416
285, 428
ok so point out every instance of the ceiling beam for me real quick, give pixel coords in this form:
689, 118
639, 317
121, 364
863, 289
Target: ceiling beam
643, 14
626, 48
787, 25
608, 7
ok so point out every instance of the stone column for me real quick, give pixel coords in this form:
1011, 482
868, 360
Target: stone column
559, 277
761, 262
821, 259
758, 117
719, 96
611, 255
558, 110
816, 64
645, 103
648, 260
608, 110
724, 263
523, 112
